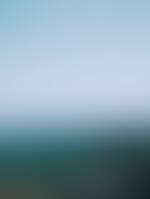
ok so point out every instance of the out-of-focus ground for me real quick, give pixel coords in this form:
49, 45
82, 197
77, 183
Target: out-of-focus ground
105, 167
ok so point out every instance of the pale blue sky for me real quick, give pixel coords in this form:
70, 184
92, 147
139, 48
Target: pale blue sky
78, 56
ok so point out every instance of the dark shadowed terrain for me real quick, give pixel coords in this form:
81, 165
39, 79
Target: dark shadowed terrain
109, 163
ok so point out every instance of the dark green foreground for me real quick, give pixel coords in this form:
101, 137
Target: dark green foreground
95, 166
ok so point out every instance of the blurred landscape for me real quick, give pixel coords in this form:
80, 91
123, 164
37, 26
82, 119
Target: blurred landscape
74, 99
104, 162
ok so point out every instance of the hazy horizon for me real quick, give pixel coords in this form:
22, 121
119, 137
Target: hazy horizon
74, 58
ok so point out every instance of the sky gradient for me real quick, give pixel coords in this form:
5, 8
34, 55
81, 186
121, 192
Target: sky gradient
63, 57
